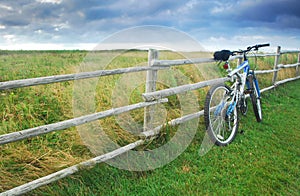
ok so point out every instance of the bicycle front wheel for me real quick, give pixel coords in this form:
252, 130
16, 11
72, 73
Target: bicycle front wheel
221, 115
255, 98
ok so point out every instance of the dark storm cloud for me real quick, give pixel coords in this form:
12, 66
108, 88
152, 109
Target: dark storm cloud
273, 13
100, 13
182, 14
14, 14
14, 20
92, 20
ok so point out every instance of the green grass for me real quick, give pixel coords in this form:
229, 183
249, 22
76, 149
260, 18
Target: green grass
263, 160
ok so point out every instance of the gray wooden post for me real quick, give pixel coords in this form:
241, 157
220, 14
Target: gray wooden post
150, 87
277, 57
297, 67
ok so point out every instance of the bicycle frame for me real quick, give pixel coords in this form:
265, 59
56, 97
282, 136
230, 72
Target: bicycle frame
240, 82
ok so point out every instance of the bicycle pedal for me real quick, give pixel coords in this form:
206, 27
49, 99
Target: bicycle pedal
248, 91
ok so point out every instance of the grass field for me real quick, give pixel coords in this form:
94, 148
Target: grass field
263, 160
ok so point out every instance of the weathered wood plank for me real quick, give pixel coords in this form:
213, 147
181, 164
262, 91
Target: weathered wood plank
68, 77
289, 51
151, 79
265, 71
253, 55
276, 62
286, 80
262, 55
288, 65
266, 89
15, 136
181, 89
70, 170
169, 63
279, 83
297, 68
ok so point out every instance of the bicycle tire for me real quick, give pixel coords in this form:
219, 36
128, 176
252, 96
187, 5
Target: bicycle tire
221, 127
255, 99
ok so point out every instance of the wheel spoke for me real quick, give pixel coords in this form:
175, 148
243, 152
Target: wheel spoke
220, 122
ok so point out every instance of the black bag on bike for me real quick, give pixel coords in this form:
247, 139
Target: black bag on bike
222, 55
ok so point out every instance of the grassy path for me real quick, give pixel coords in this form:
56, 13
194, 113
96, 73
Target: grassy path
264, 160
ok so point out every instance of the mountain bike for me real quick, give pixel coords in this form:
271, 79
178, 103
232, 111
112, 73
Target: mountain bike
223, 104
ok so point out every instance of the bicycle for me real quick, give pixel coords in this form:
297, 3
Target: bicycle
223, 103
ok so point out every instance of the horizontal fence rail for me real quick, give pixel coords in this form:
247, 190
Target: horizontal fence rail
70, 170
266, 71
20, 135
69, 77
252, 56
151, 97
286, 80
289, 51
169, 63
288, 65
181, 89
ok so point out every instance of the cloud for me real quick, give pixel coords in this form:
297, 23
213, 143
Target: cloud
77, 21
261, 12
242, 41
5, 7
31, 13
50, 1
288, 21
10, 38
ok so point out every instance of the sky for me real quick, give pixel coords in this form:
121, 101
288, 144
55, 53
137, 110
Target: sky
82, 24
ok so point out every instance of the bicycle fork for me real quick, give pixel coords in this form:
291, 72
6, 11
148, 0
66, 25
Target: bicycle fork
231, 106
249, 90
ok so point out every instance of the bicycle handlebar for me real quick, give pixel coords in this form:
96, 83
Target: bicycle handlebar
250, 48
224, 55
263, 45
257, 46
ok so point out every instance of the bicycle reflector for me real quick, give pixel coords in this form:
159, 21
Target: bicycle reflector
225, 66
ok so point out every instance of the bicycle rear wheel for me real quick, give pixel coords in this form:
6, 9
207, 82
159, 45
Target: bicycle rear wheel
221, 115
255, 98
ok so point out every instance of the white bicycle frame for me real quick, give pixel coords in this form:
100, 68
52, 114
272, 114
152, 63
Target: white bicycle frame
240, 81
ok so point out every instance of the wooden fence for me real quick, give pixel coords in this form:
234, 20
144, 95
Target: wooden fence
151, 97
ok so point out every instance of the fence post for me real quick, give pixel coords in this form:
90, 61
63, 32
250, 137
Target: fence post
297, 67
150, 87
277, 57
